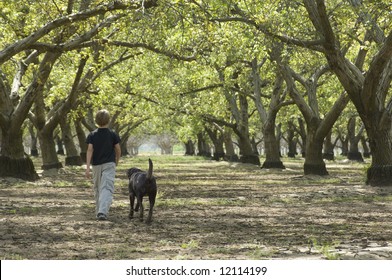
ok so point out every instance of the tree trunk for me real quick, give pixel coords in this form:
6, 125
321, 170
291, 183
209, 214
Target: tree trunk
219, 152
314, 163
247, 154
344, 143
34, 141
303, 136
48, 149
268, 117
328, 153
229, 146
72, 156
279, 136
271, 145
291, 140
124, 146
13, 161
353, 152
217, 139
59, 145
202, 146
134, 150
189, 148
380, 171
82, 139
167, 150
366, 149
255, 144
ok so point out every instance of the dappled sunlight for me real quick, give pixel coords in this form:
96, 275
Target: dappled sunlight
204, 210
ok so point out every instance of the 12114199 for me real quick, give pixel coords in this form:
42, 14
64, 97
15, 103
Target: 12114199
250, 271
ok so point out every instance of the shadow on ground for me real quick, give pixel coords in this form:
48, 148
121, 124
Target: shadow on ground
205, 210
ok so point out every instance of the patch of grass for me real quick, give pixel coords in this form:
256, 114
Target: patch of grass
172, 181
122, 252
165, 242
229, 202
259, 253
101, 251
11, 257
355, 198
180, 257
276, 182
122, 205
86, 184
337, 199
184, 202
28, 210
181, 202
315, 180
171, 202
88, 205
192, 244
382, 198
11, 211
282, 200
128, 252
63, 184
219, 251
326, 249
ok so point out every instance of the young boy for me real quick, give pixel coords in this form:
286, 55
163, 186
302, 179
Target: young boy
103, 152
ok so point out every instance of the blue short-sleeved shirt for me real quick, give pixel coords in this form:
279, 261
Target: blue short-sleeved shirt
103, 141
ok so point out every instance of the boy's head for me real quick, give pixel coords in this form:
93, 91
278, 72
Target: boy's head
102, 118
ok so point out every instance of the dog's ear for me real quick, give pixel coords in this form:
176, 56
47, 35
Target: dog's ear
129, 173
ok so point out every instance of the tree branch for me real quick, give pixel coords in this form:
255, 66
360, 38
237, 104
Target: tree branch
153, 49
26, 43
202, 89
316, 45
334, 113
378, 68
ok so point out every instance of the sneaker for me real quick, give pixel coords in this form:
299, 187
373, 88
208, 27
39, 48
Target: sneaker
101, 217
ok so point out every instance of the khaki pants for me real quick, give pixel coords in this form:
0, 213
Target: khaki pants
103, 178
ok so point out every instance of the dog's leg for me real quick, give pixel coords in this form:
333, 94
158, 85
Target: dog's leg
140, 203
131, 202
151, 198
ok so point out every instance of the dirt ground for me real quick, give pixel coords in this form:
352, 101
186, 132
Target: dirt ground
204, 210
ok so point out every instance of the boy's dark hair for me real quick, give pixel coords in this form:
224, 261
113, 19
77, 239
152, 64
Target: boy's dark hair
102, 117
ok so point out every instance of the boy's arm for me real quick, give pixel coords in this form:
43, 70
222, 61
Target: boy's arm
89, 155
117, 150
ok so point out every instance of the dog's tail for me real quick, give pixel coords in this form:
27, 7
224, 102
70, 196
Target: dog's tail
149, 173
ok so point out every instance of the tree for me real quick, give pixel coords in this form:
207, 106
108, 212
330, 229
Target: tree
318, 127
238, 103
28, 43
368, 89
217, 138
358, 53
12, 160
268, 115
46, 122
353, 139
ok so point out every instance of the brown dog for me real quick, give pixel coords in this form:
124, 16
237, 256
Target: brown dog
141, 184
